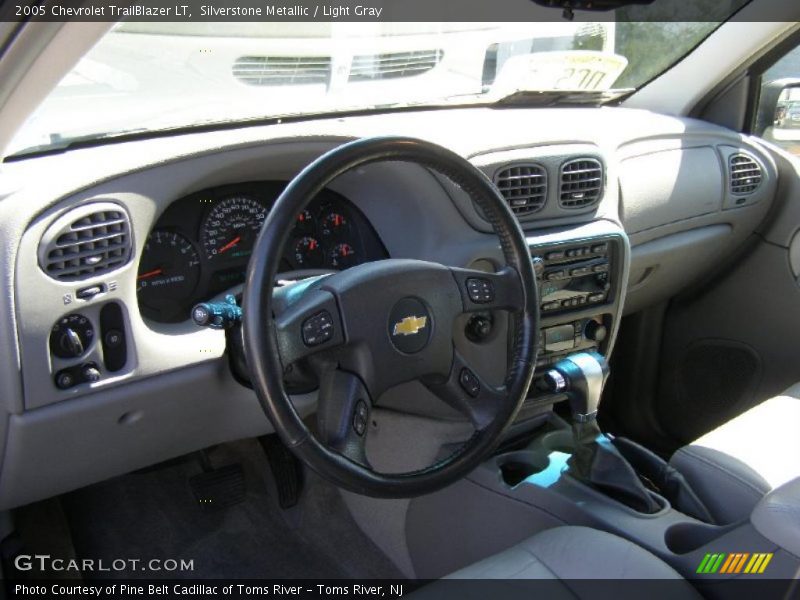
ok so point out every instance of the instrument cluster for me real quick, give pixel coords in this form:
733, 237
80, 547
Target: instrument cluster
202, 243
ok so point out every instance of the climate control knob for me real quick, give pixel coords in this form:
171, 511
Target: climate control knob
595, 331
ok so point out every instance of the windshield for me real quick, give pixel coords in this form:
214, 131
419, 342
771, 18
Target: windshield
144, 77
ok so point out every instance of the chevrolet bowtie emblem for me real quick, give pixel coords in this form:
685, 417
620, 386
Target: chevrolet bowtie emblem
410, 325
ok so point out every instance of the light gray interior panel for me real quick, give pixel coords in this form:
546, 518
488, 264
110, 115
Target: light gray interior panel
662, 267
668, 186
75, 443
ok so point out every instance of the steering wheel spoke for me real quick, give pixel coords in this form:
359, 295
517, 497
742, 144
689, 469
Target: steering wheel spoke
468, 392
482, 291
310, 324
343, 414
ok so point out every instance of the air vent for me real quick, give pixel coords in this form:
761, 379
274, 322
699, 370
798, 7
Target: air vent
368, 67
523, 186
581, 183
745, 174
88, 241
282, 70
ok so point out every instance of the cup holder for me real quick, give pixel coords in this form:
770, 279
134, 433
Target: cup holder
516, 467
557, 441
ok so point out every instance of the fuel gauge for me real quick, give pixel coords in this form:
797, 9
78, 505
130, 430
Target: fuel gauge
308, 253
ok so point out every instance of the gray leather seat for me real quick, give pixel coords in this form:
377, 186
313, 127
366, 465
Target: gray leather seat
732, 467
573, 560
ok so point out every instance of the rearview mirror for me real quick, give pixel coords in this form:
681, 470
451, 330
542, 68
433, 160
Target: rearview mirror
591, 5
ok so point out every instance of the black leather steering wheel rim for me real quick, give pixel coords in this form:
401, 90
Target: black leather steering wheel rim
260, 333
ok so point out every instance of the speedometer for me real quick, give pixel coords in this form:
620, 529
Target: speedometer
231, 228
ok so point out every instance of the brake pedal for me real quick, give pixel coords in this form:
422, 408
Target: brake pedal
215, 489
286, 470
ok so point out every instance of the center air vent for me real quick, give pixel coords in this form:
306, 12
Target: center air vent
581, 183
282, 70
745, 174
524, 186
87, 241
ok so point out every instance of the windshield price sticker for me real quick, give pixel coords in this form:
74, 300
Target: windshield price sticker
575, 70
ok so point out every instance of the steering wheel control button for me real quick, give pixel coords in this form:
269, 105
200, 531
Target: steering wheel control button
318, 329
410, 325
360, 417
480, 291
469, 382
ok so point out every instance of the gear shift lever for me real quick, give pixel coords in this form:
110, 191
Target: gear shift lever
595, 460
582, 377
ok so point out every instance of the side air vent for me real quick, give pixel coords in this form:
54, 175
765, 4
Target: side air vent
745, 174
85, 242
524, 186
581, 183
282, 70
368, 67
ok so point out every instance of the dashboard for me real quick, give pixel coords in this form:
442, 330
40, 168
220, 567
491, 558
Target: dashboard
174, 220
201, 244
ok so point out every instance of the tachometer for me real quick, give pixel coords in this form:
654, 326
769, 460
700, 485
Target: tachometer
231, 228
168, 275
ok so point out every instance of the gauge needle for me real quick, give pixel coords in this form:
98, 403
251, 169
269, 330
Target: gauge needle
149, 274
230, 244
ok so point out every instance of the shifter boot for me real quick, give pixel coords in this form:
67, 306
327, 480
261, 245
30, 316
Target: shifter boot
596, 462
667, 481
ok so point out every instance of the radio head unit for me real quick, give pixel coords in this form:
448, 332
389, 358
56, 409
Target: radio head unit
575, 277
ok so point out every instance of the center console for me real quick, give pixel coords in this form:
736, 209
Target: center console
582, 275
570, 472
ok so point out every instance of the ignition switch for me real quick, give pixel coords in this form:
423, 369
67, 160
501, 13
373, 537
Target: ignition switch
479, 327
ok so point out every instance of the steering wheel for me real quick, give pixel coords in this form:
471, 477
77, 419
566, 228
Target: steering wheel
383, 323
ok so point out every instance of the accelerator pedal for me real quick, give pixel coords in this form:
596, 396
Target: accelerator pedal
286, 470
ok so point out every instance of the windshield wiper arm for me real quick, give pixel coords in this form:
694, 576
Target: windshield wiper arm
560, 97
